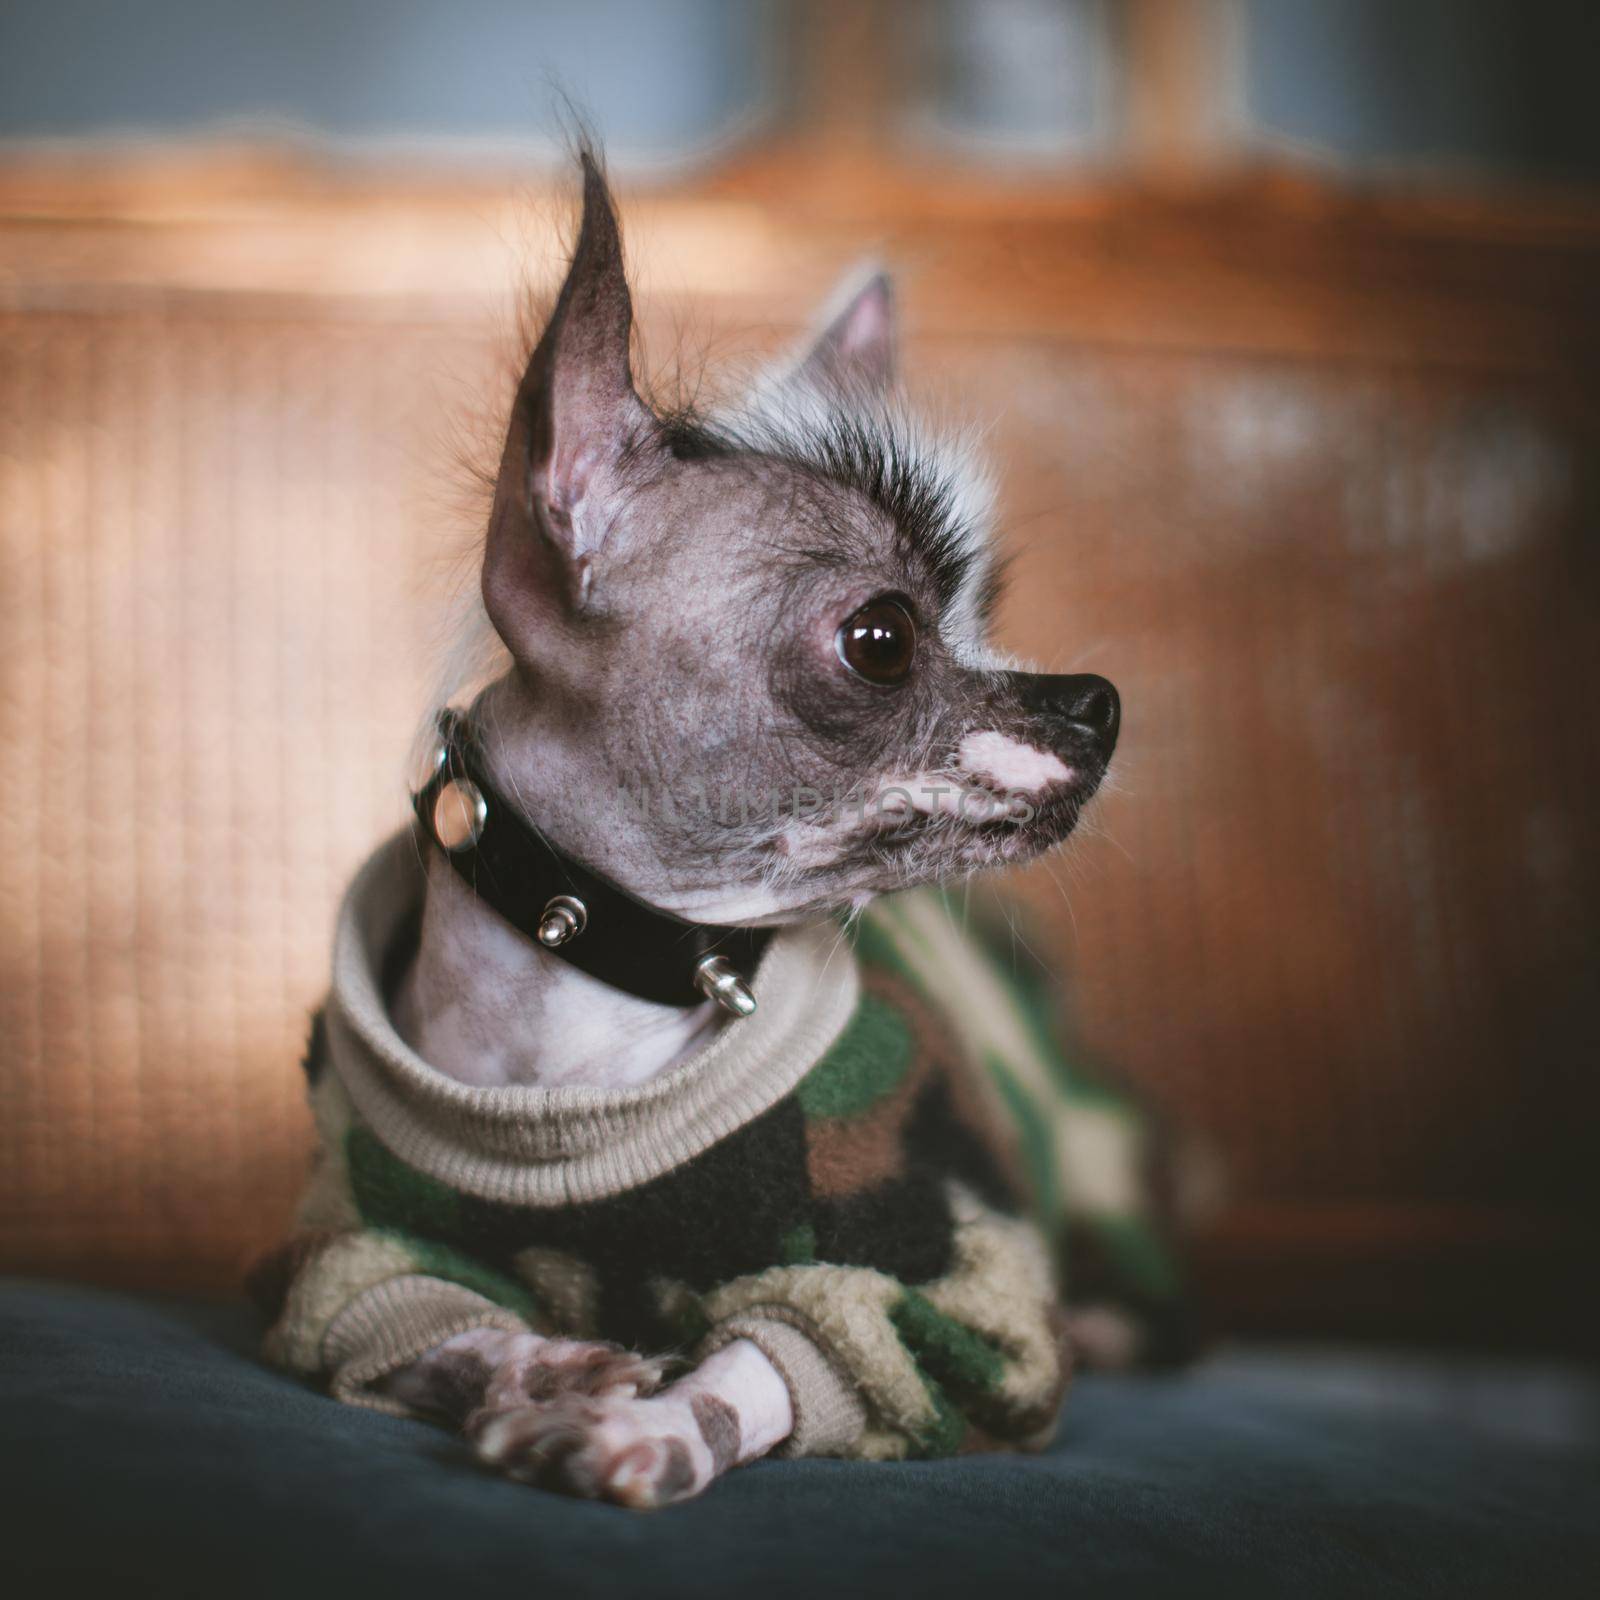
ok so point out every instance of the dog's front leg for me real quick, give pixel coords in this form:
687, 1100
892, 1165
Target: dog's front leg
650, 1451
487, 1372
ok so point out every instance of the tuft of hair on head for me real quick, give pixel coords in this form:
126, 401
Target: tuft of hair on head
833, 410
930, 481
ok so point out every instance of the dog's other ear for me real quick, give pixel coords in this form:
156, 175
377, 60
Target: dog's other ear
575, 418
855, 350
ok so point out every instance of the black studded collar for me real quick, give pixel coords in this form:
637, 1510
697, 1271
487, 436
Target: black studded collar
569, 910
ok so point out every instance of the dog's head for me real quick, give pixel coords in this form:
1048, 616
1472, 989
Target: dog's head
751, 677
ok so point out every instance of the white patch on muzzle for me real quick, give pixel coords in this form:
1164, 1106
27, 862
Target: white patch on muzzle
1011, 765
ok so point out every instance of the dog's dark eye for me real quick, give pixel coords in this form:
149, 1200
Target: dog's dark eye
879, 642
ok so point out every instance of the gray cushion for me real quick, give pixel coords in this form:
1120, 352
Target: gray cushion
143, 1445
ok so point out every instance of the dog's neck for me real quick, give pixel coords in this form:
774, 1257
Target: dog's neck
487, 1006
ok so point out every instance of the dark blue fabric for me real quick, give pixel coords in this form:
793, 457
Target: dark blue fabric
142, 1448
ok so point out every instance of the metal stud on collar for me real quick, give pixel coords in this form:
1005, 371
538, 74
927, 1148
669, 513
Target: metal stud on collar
717, 979
459, 814
564, 917
428, 763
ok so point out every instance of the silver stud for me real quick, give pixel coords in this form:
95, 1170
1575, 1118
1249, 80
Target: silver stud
428, 763
564, 917
716, 978
459, 815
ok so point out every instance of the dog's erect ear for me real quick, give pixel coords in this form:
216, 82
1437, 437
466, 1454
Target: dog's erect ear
855, 350
575, 418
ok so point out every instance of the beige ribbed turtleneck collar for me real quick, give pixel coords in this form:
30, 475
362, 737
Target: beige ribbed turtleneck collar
532, 1146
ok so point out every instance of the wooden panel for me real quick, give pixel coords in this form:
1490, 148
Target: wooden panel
1340, 903
216, 535
1312, 480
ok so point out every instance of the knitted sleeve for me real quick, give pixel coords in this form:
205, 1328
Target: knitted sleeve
916, 1285
879, 1368
349, 1303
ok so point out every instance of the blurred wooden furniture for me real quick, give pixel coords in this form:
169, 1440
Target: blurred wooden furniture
1310, 475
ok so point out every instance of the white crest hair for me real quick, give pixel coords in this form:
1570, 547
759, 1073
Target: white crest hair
933, 481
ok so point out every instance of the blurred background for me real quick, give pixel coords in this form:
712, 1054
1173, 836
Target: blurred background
1285, 314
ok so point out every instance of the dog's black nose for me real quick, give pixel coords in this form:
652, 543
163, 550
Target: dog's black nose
1094, 705
1088, 704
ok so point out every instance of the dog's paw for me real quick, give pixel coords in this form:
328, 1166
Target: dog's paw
487, 1370
636, 1453
542, 1370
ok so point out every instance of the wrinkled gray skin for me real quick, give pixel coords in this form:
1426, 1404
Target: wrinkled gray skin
673, 623
671, 604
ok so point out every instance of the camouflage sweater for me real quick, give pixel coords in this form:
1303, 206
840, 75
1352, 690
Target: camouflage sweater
875, 1178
